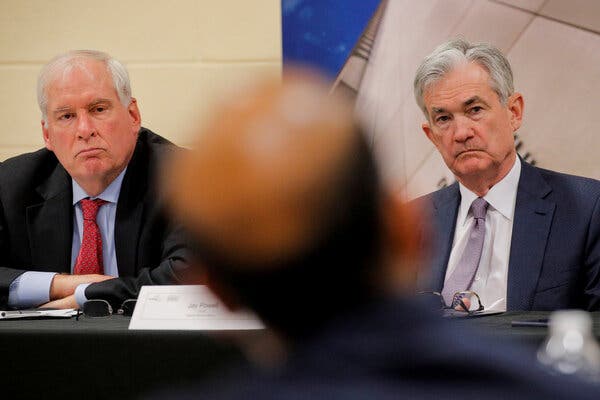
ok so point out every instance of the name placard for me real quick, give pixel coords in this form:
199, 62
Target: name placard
187, 307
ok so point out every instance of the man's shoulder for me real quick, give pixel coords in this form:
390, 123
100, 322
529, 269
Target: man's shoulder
421, 352
27, 167
561, 182
424, 349
152, 149
437, 196
154, 140
32, 158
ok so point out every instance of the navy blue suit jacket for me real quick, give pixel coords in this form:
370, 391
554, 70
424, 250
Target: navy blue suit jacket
396, 350
555, 247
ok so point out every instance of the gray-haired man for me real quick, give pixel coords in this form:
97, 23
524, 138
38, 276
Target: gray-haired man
81, 219
540, 249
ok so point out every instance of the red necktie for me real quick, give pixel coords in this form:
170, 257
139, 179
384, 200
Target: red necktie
89, 260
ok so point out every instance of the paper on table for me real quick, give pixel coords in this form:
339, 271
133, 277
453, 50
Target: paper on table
187, 307
38, 313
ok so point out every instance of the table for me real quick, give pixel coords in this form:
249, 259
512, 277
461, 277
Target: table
499, 325
98, 358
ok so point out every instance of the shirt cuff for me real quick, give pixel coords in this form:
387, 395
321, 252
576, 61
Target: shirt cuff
30, 289
80, 294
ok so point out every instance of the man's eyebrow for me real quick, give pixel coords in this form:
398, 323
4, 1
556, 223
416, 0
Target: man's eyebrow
474, 99
466, 103
61, 109
98, 101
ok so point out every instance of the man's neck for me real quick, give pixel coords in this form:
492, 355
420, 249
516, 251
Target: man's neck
110, 193
93, 187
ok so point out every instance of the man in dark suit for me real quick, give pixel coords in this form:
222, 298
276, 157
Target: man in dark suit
284, 204
541, 246
51, 251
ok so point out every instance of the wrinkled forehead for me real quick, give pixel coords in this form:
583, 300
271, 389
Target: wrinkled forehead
462, 82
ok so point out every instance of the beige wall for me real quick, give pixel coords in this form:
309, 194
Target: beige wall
181, 55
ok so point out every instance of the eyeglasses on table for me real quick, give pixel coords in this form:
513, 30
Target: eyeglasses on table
464, 303
101, 308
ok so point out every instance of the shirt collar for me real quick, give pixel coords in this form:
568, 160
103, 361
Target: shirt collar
501, 197
110, 194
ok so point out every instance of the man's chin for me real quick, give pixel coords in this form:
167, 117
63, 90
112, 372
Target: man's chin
471, 165
91, 169
94, 166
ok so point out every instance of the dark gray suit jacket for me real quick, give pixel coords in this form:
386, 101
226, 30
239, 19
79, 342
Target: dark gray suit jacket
36, 222
555, 247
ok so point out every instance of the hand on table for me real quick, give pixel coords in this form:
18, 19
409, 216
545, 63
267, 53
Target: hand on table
65, 302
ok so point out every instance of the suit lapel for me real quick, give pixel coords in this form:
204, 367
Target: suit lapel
130, 211
50, 224
445, 209
531, 227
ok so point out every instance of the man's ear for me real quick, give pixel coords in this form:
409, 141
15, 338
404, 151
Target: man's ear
516, 105
134, 113
46, 135
429, 133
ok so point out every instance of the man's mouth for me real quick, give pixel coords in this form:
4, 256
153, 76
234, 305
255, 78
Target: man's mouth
467, 152
90, 152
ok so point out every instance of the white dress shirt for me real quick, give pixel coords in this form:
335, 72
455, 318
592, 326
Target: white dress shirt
491, 278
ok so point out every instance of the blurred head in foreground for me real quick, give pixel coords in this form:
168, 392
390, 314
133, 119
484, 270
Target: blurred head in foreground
282, 198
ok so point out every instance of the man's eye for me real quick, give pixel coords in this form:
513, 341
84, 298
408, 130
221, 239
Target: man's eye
66, 117
99, 109
476, 109
442, 119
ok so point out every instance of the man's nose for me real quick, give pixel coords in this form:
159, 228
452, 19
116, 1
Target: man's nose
85, 127
463, 129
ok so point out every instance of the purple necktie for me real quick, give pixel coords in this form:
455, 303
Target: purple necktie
463, 274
